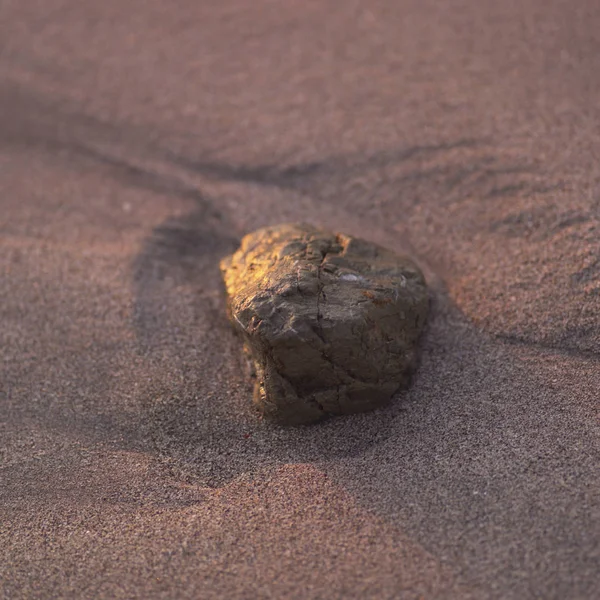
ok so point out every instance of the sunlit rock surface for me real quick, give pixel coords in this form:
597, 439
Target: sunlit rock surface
330, 322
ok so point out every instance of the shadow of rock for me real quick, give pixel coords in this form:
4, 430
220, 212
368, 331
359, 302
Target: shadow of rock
199, 417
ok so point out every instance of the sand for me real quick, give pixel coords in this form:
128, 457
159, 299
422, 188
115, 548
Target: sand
140, 140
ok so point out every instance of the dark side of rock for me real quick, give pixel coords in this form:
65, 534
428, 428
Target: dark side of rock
329, 321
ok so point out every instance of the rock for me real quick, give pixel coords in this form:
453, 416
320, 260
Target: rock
330, 322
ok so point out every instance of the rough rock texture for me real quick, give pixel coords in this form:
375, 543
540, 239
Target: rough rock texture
330, 322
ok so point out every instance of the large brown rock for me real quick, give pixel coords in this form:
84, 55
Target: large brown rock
330, 322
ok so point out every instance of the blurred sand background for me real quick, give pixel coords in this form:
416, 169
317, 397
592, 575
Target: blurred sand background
140, 139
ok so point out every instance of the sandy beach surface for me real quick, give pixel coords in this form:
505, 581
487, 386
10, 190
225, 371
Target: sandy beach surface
140, 140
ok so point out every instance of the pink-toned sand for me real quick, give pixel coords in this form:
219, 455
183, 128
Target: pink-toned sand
140, 139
